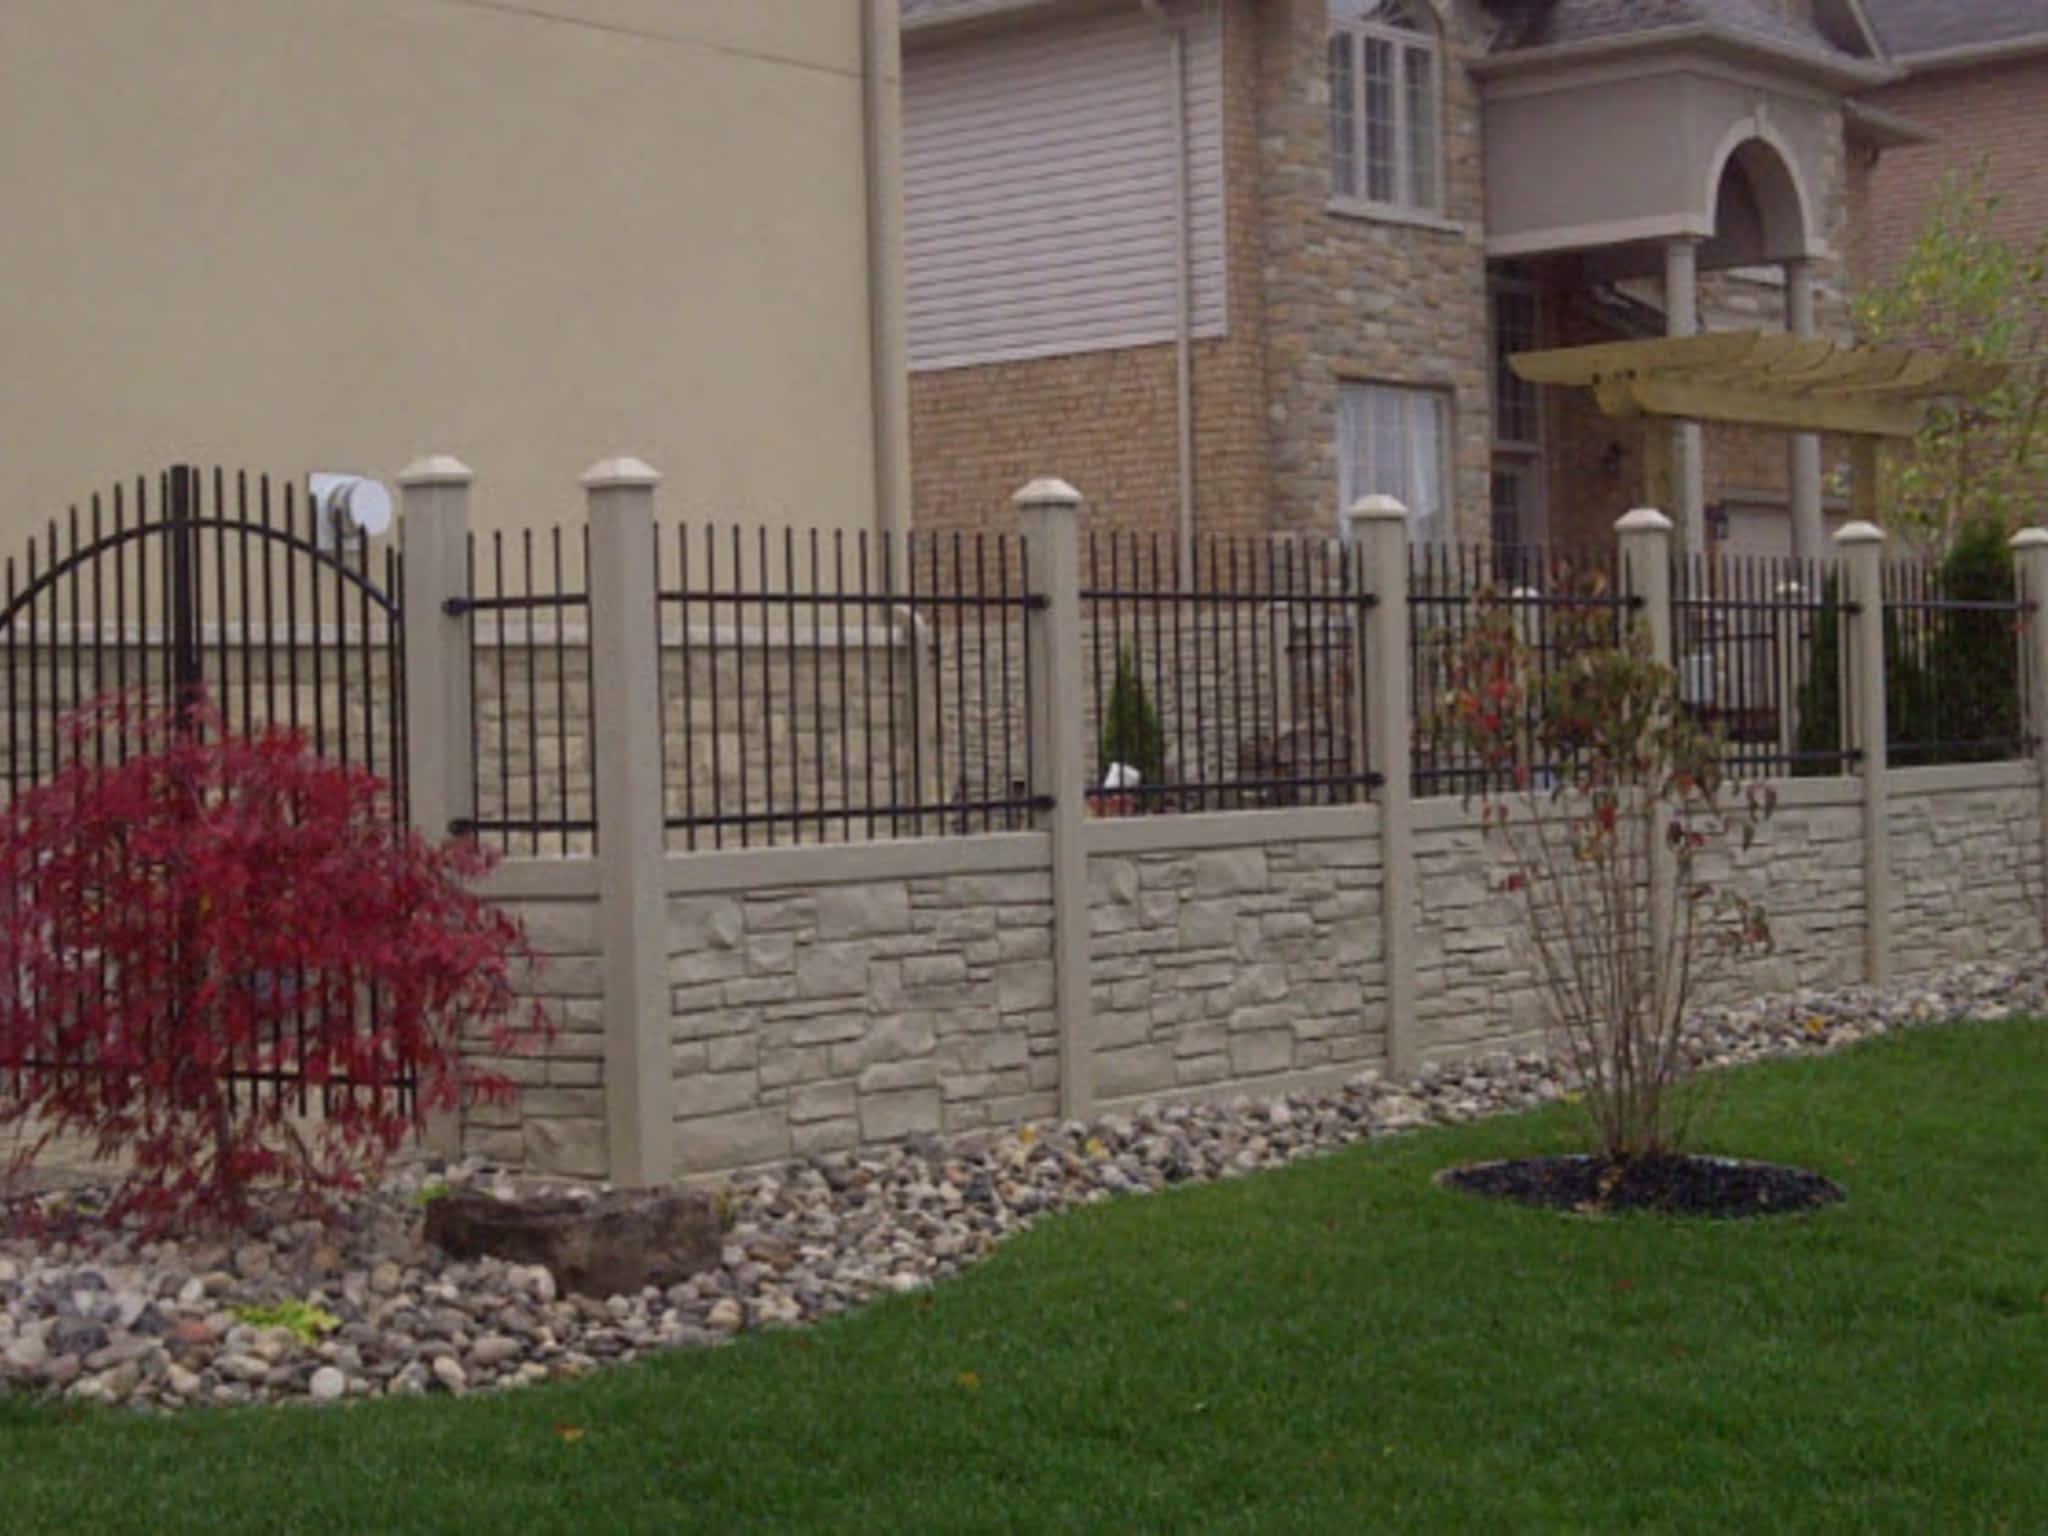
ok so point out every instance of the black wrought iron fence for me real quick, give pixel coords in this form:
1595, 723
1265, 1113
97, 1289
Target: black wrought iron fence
1560, 599
194, 588
1955, 667
1233, 681
531, 725
833, 686
209, 600
1758, 659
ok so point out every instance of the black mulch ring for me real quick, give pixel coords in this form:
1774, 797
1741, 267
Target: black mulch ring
1677, 1186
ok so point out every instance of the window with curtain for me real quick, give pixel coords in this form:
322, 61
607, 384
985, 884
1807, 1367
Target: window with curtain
1384, 104
1395, 441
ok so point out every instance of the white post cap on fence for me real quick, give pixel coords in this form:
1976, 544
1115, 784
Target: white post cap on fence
436, 469
1377, 507
1643, 520
2030, 538
622, 472
1859, 532
1048, 491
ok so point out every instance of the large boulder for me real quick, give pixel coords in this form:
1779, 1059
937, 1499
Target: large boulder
610, 1245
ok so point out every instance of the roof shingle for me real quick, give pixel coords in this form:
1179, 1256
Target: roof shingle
1550, 23
1908, 27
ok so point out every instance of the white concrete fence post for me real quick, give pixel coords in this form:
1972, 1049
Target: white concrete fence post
1645, 538
1380, 526
2030, 565
625, 664
434, 530
1050, 511
1862, 547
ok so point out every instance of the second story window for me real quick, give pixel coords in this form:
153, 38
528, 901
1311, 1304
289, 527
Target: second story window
1384, 104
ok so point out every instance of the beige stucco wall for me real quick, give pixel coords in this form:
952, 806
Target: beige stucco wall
1612, 153
309, 234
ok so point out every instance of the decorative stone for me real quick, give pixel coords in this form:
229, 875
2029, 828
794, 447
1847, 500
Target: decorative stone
609, 1246
327, 1385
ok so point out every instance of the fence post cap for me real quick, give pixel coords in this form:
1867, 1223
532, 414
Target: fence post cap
1859, 532
2030, 538
1048, 491
1643, 520
1378, 507
435, 469
620, 473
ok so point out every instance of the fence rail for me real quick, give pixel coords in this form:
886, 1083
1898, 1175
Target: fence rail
532, 730
1561, 599
1955, 668
1758, 659
836, 687
1234, 682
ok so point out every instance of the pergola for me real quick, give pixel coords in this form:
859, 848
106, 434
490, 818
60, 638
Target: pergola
1764, 379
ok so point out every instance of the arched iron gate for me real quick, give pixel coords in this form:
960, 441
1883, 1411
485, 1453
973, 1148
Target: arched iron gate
220, 586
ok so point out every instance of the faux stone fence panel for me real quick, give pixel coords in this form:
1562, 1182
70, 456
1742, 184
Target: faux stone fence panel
557, 1125
833, 998
816, 1018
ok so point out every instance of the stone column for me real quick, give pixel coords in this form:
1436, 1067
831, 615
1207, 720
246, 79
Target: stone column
625, 667
1687, 493
439, 767
1808, 527
1050, 513
1380, 524
1862, 549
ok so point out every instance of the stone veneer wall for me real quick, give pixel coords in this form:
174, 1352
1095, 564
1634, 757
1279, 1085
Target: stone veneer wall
1248, 962
558, 1124
1352, 296
840, 1005
831, 998
1966, 860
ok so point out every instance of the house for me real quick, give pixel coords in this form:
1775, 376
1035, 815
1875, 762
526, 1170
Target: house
1227, 264
1976, 89
336, 234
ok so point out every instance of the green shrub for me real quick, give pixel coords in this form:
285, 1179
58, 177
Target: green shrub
304, 1321
1131, 732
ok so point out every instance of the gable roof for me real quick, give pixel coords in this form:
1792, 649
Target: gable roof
1560, 22
1910, 28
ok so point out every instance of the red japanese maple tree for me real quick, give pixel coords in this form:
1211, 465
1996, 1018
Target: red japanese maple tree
226, 963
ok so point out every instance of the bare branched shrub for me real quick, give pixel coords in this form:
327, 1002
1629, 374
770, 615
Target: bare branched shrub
1603, 795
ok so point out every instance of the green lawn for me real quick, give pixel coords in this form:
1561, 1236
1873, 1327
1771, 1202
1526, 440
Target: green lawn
1340, 1347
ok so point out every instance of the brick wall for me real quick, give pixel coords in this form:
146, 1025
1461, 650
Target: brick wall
1993, 111
1109, 421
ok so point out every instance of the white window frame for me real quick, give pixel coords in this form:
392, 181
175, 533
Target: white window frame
1422, 480
1352, 25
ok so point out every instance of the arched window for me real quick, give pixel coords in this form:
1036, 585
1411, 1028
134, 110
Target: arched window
1384, 92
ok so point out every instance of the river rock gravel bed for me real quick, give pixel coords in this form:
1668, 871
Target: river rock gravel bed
100, 1316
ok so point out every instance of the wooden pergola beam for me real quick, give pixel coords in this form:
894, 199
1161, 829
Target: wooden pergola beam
1681, 399
1763, 379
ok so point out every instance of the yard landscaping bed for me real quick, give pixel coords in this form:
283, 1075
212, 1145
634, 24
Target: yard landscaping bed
1337, 1346
364, 1308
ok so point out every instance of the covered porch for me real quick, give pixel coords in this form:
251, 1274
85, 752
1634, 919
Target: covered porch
1663, 185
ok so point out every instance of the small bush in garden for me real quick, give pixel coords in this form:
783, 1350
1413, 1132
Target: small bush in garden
1131, 732
1606, 800
301, 1319
189, 934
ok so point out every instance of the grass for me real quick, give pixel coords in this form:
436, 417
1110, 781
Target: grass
1339, 1347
